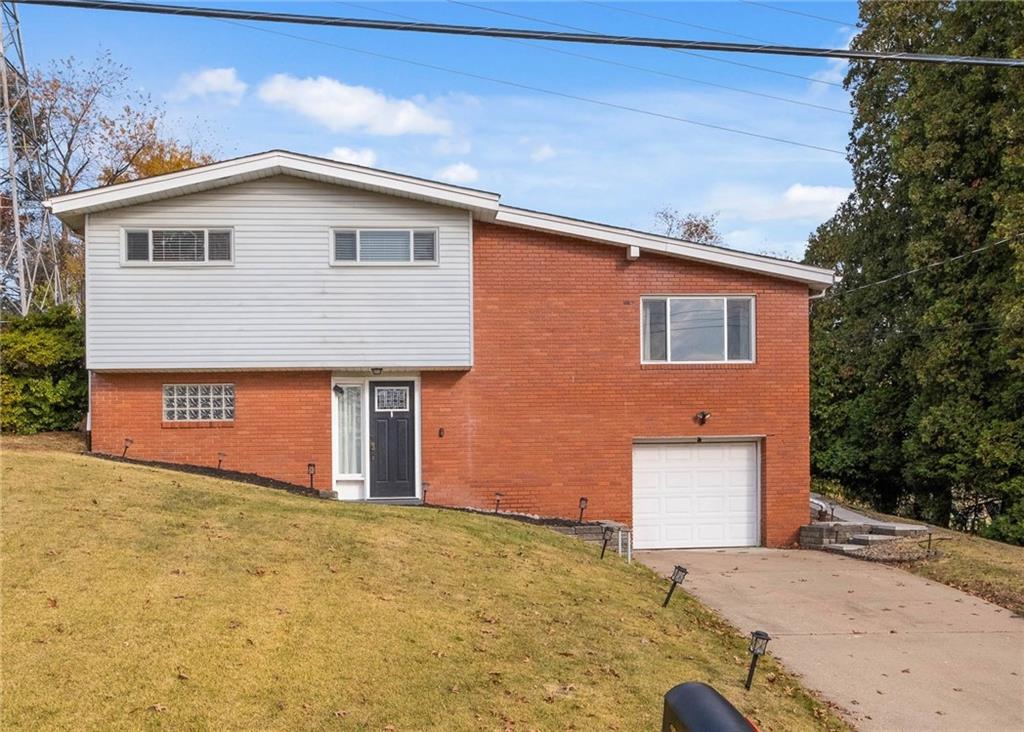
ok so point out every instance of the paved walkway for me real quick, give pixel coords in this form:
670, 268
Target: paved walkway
894, 651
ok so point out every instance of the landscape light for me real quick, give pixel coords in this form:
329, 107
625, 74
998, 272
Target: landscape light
424, 490
678, 575
929, 544
758, 645
220, 459
583, 507
607, 536
311, 469
497, 501
127, 443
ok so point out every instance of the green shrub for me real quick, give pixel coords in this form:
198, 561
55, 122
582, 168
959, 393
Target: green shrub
43, 381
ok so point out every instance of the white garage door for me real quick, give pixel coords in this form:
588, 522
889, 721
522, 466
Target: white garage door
695, 495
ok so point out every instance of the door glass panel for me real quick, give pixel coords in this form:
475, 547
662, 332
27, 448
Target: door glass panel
350, 430
392, 398
698, 330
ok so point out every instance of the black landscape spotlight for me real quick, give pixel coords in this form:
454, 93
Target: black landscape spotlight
497, 501
758, 645
311, 469
127, 443
583, 507
678, 575
606, 536
220, 459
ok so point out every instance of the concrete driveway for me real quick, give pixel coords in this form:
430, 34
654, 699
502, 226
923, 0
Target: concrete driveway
892, 650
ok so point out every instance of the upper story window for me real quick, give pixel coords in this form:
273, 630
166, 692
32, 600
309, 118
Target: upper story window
178, 246
697, 329
384, 246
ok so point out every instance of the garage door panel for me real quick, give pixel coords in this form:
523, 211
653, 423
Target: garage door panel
695, 495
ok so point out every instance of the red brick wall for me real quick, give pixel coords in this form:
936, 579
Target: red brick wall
557, 394
282, 423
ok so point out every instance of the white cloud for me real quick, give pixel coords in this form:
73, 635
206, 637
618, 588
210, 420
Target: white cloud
542, 153
452, 146
365, 156
344, 108
458, 173
210, 83
799, 202
814, 201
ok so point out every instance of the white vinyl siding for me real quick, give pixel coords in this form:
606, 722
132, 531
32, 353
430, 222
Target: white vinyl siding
281, 305
697, 329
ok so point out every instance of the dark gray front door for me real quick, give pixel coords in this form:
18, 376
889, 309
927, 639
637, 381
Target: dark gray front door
392, 439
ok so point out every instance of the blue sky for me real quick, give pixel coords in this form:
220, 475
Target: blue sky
334, 92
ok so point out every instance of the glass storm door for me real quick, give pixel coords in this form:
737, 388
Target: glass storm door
392, 439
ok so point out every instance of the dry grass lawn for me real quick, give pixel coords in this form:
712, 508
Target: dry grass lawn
142, 598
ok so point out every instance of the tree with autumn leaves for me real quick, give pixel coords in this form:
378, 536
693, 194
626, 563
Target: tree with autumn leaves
918, 381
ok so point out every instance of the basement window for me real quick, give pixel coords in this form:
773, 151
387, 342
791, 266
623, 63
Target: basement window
178, 246
199, 402
697, 329
384, 246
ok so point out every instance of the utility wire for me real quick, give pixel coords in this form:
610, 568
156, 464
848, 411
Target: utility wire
324, 20
797, 12
527, 87
930, 265
687, 53
674, 21
620, 64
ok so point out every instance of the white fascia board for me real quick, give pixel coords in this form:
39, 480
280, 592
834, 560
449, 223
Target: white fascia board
815, 277
73, 206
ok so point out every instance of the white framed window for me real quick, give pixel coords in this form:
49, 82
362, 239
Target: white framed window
697, 329
391, 398
199, 402
383, 246
191, 246
349, 412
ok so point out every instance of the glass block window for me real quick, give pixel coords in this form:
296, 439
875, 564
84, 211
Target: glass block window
697, 329
199, 402
384, 246
178, 246
392, 398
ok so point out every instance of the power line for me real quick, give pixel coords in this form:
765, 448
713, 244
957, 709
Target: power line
923, 267
620, 64
491, 32
705, 56
674, 21
539, 90
797, 12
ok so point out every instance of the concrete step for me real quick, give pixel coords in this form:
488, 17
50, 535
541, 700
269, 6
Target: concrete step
844, 548
899, 529
869, 539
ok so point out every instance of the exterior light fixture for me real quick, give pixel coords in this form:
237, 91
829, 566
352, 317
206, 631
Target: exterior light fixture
220, 459
338, 389
929, 544
702, 417
606, 536
678, 575
377, 372
583, 507
497, 501
127, 443
311, 469
758, 645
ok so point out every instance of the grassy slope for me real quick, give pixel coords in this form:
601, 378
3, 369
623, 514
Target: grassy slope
136, 597
988, 569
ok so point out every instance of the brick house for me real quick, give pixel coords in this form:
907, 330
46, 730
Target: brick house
278, 311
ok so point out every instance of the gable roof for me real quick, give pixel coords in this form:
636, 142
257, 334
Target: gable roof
483, 205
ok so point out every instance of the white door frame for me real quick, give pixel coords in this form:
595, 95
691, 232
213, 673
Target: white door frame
364, 380
758, 441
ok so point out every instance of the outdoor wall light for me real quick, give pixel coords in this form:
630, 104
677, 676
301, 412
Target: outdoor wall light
606, 536
339, 390
377, 372
497, 501
220, 459
702, 417
678, 575
440, 432
311, 469
583, 507
127, 443
758, 645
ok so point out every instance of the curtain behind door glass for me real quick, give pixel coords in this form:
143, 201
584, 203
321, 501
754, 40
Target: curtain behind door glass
350, 430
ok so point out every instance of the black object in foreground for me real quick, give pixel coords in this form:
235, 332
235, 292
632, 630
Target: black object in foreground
678, 575
758, 645
696, 707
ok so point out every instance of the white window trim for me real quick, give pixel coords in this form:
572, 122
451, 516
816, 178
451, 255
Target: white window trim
125, 262
367, 382
359, 229
725, 341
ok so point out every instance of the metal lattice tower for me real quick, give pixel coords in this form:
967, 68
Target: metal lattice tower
29, 249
